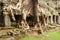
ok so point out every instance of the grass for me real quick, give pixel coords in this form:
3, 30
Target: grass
55, 35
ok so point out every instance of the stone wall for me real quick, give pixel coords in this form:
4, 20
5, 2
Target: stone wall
47, 8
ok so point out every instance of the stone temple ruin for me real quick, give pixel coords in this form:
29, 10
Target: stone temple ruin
29, 13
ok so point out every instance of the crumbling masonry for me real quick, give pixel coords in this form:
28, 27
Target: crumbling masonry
29, 13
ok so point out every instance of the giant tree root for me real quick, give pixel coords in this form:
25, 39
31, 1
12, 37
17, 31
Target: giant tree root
40, 30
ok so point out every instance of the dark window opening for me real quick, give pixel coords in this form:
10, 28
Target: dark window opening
46, 20
57, 19
49, 18
18, 18
1, 14
30, 20
59, 13
41, 19
17, 21
54, 18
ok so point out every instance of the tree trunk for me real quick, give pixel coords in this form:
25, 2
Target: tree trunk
37, 16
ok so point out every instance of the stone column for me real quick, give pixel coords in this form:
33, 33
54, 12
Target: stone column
58, 19
52, 19
47, 20
7, 21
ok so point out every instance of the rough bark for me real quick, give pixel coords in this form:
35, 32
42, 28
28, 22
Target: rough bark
37, 17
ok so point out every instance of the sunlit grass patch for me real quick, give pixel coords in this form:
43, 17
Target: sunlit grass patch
54, 35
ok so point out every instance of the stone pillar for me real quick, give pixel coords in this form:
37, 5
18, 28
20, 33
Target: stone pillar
7, 21
58, 19
52, 19
47, 20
